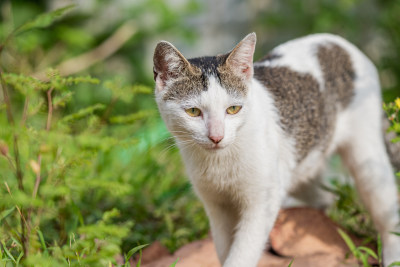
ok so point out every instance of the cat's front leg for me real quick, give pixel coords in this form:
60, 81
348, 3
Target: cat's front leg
256, 221
223, 219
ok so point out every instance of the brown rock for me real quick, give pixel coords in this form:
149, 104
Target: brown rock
305, 231
304, 234
153, 252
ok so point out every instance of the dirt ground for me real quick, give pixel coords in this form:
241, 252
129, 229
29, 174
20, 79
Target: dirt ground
303, 234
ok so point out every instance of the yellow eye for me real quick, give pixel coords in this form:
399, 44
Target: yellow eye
194, 112
233, 109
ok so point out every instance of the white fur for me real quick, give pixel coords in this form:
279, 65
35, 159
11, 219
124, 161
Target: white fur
243, 184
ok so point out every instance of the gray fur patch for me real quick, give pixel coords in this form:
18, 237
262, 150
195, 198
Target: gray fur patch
338, 73
189, 83
308, 113
230, 81
301, 106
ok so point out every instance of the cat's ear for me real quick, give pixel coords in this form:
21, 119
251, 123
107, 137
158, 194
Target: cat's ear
240, 59
169, 63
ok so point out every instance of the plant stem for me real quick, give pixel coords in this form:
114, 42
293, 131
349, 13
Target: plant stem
39, 160
48, 126
50, 109
6, 99
101, 52
25, 112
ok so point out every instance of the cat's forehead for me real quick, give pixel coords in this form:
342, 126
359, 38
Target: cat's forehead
208, 65
217, 96
207, 68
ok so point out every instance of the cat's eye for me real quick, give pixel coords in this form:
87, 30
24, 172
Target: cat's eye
233, 109
194, 112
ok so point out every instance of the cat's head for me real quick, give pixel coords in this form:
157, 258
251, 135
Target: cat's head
203, 100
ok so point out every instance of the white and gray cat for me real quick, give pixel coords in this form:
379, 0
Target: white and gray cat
253, 133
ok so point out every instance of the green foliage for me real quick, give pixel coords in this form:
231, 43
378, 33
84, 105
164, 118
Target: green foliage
43, 20
131, 252
87, 167
361, 253
349, 211
393, 112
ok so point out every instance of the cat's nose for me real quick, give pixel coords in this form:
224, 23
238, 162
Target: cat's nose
216, 139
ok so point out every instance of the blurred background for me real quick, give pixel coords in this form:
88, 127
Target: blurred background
88, 169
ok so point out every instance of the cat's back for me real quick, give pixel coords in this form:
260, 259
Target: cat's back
311, 80
318, 55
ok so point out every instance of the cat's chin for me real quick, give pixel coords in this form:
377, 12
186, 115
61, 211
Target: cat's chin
214, 147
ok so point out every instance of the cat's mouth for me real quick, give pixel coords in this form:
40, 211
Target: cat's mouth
214, 147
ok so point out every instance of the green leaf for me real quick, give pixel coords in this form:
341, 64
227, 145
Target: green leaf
133, 251
8, 252
369, 251
379, 241
396, 263
174, 263
4, 214
20, 257
83, 113
291, 262
132, 117
364, 260
43, 20
140, 259
396, 139
141, 89
46, 252
349, 243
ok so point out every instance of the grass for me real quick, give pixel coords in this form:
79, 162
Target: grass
361, 253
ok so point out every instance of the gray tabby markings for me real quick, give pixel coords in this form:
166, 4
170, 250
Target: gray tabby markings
193, 77
338, 73
307, 113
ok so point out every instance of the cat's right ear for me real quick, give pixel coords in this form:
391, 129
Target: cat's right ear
240, 59
169, 63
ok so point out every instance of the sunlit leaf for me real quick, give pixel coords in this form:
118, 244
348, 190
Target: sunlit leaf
43, 20
134, 250
4, 214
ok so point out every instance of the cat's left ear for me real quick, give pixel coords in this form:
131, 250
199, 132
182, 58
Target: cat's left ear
240, 59
169, 64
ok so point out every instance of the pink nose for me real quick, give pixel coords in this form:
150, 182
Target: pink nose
216, 139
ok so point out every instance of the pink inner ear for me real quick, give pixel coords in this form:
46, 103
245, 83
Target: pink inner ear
246, 68
241, 58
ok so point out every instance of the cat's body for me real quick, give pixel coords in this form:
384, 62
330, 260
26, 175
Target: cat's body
252, 134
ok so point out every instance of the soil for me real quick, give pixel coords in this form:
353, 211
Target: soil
304, 235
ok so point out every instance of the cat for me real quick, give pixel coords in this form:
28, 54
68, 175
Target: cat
252, 134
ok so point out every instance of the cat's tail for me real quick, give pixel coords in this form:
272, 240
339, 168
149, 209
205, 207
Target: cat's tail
393, 149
